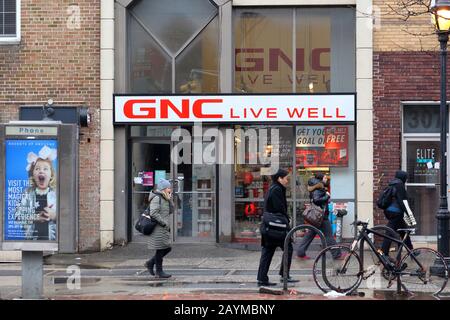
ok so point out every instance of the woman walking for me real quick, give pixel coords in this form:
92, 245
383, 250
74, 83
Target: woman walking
161, 206
320, 197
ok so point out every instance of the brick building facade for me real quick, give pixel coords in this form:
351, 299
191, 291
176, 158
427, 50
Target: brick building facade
406, 68
58, 57
77, 60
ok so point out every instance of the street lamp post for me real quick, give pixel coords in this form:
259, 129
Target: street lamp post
441, 19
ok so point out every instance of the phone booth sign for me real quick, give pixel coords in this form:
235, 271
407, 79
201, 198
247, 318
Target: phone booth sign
30, 188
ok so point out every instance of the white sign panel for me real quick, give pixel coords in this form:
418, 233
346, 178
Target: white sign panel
310, 136
234, 108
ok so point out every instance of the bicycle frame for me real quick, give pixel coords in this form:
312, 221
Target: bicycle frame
395, 270
364, 236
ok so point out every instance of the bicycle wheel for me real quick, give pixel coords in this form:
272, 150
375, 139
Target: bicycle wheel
342, 276
420, 274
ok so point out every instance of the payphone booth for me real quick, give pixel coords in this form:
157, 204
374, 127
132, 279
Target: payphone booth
39, 192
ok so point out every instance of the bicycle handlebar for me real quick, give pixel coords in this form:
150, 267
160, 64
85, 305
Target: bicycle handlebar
360, 223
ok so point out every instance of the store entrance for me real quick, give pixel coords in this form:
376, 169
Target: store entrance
194, 190
150, 161
422, 164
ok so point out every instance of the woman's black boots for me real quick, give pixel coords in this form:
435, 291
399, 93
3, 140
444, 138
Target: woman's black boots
150, 265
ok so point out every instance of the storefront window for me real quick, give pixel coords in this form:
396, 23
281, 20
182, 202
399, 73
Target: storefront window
422, 165
197, 66
328, 149
422, 159
253, 175
150, 66
173, 46
323, 59
262, 36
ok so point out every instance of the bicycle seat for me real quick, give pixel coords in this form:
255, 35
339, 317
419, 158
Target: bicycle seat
407, 229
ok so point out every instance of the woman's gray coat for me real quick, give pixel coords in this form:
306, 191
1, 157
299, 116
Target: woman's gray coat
160, 210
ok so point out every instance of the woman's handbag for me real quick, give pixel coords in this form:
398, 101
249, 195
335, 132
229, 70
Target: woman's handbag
313, 215
145, 224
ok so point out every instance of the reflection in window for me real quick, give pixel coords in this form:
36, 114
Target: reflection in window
313, 34
173, 22
322, 60
150, 67
173, 37
263, 50
255, 162
197, 67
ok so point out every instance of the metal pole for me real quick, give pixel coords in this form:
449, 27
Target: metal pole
442, 215
32, 274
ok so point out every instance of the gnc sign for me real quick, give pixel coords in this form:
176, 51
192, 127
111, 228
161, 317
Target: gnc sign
234, 108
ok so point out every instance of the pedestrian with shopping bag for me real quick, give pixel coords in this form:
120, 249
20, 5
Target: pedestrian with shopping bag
320, 197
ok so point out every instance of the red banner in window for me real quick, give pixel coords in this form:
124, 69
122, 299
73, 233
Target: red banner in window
333, 154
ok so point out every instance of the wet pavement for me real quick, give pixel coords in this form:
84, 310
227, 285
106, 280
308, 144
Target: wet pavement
200, 272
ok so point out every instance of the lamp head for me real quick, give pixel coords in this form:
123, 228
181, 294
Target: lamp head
440, 15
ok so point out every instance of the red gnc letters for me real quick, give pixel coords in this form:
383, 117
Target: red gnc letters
183, 112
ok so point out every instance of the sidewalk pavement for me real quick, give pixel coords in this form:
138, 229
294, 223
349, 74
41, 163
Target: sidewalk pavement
200, 272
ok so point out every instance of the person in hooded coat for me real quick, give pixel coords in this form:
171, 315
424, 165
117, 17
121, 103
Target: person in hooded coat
395, 212
161, 207
321, 197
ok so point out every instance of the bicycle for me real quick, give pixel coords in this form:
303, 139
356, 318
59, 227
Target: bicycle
414, 270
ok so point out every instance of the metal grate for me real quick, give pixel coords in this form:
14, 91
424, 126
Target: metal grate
8, 18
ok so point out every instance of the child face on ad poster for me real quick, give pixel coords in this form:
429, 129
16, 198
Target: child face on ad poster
30, 206
42, 179
41, 194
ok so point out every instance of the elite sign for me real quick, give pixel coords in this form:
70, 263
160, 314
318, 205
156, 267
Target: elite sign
234, 108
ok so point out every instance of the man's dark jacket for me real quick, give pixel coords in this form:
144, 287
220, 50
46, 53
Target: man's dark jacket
275, 202
400, 191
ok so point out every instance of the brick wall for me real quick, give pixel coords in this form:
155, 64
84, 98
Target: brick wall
55, 61
398, 76
393, 33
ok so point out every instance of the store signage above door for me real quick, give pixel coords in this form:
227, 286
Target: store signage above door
130, 109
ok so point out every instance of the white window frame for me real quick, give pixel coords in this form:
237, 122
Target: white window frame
16, 38
417, 137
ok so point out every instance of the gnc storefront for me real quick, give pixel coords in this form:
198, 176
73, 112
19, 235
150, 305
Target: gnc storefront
220, 151
216, 96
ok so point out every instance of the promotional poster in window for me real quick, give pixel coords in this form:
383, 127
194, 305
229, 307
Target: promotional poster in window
322, 146
31, 194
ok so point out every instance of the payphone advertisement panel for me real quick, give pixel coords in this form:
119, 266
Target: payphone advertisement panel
31, 193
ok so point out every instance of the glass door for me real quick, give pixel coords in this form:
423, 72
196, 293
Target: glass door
422, 164
150, 161
195, 200
194, 188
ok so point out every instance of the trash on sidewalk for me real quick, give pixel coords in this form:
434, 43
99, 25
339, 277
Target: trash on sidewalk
334, 294
293, 292
271, 291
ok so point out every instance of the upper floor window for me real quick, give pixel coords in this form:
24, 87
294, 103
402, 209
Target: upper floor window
294, 50
173, 46
9, 20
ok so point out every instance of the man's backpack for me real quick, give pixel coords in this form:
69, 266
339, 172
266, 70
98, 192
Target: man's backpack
386, 197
